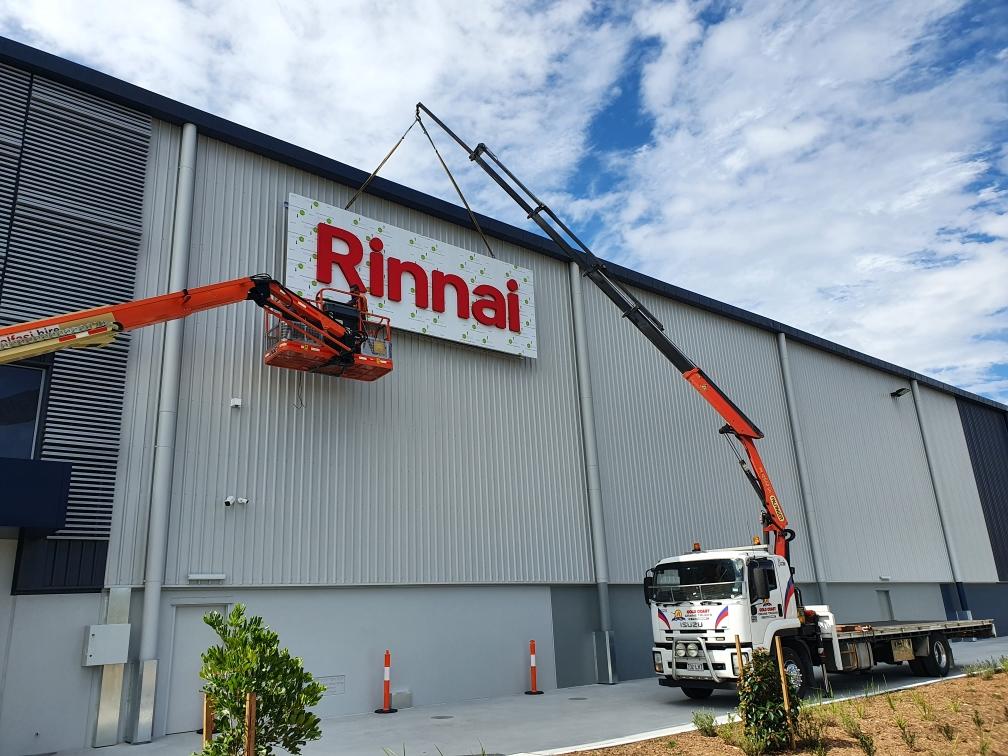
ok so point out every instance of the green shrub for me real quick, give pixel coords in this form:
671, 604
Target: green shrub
810, 730
908, 735
978, 720
249, 660
703, 720
866, 743
766, 723
947, 729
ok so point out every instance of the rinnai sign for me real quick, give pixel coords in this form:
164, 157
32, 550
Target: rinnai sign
422, 284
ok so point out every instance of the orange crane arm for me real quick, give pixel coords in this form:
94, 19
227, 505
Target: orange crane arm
99, 325
737, 424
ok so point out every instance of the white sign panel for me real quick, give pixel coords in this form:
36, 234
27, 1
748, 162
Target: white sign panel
421, 284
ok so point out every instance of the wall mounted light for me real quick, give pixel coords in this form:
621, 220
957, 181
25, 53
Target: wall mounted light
899, 392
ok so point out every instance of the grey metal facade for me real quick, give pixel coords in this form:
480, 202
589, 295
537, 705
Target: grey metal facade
668, 478
463, 466
873, 498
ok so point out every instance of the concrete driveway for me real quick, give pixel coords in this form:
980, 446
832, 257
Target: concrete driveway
526, 724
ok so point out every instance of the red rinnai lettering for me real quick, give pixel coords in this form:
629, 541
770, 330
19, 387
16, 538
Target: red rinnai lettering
513, 313
327, 257
396, 268
489, 309
439, 282
376, 264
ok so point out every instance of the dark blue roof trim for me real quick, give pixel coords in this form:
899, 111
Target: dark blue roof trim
116, 90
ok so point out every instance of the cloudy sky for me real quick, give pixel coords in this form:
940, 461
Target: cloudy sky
839, 166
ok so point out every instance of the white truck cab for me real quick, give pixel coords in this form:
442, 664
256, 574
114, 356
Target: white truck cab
706, 606
702, 600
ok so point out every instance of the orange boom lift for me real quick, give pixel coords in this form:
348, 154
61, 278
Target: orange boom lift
325, 336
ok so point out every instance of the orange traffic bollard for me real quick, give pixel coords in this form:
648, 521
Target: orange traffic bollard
387, 687
532, 671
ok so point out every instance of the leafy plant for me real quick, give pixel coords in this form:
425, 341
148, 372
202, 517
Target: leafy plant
766, 722
923, 705
850, 725
978, 719
985, 746
947, 729
672, 746
891, 700
810, 730
703, 720
908, 735
249, 660
728, 732
753, 744
866, 743
955, 705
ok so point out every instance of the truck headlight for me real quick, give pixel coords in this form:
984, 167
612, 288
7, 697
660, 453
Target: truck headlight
680, 650
692, 649
658, 665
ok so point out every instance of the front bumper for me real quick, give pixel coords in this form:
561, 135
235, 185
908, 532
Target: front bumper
712, 667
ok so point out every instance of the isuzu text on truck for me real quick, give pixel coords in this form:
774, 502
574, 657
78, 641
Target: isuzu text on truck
701, 601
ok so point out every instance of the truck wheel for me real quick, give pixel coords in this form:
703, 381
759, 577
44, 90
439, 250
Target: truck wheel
697, 693
798, 668
938, 662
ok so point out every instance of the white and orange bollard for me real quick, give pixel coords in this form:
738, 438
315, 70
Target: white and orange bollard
387, 687
532, 671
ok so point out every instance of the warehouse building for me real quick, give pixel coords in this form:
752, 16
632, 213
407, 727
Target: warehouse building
513, 477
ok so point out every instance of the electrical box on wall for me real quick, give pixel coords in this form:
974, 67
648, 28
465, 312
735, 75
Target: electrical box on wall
106, 644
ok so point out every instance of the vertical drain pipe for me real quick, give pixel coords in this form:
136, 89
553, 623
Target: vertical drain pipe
164, 444
605, 668
801, 467
942, 519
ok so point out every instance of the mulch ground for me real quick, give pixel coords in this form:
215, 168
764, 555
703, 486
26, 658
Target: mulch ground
961, 716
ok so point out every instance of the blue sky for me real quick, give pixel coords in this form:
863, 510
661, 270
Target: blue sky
841, 167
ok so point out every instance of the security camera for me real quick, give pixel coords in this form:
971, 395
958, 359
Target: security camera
230, 501
242, 500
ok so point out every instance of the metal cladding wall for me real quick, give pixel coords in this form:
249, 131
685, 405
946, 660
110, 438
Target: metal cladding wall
462, 466
874, 504
957, 487
668, 478
986, 432
136, 451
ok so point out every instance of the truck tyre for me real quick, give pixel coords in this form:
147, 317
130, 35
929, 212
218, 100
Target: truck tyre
939, 661
798, 668
697, 693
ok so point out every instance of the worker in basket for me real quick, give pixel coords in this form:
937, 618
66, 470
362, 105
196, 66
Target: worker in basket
351, 315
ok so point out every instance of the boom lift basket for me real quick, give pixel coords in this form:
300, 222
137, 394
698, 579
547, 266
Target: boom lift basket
367, 346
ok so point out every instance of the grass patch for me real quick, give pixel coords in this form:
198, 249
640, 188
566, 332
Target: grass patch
703, 720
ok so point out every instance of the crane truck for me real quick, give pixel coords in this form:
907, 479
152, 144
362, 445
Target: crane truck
709, 607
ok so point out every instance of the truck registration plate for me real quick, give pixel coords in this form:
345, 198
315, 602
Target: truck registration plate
694, 666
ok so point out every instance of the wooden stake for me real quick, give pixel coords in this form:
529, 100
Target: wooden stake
208, 720
250, 724
784, 688
738, 655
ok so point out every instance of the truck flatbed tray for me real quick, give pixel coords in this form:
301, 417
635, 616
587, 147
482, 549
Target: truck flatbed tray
982, 628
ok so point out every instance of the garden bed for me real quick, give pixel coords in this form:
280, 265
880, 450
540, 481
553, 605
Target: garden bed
967, 715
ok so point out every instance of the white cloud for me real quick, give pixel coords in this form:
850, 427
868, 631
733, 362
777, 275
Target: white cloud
806, 161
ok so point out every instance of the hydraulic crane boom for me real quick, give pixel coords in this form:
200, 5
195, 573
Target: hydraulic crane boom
737, 423
311, 340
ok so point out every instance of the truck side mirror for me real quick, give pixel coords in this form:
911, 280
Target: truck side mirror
759, 586
648, 589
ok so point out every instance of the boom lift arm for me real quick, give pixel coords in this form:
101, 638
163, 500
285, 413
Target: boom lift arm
308, 328
737, 424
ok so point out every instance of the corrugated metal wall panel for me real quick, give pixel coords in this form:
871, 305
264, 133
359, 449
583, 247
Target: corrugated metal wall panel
986, 432
127, 540
74, 236
462, 466
668, 478
877, 511
957, 486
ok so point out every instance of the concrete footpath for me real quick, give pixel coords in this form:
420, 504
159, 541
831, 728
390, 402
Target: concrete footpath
563, 718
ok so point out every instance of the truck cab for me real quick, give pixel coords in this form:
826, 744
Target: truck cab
701, 602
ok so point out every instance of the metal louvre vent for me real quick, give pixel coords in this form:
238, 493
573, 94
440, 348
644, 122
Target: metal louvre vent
74, 239
13, 104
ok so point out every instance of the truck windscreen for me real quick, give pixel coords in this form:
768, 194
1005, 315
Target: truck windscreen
713, 579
